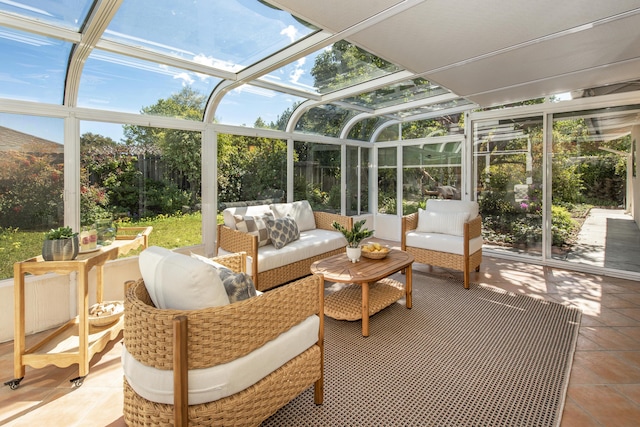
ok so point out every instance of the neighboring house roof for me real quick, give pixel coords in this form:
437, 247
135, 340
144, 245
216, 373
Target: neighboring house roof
12, 140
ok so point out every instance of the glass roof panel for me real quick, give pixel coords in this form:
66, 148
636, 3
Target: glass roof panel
364, 129
37, 69
397, 93
433, 108
67, 13
243, 106
121, 83
212, 32
333, 68
327, 120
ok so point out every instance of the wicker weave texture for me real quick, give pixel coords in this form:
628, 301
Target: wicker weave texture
444, 259
247, 408
346, 304
217, 334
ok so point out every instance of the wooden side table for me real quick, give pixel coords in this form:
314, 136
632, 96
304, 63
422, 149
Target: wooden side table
371, 289
75, 341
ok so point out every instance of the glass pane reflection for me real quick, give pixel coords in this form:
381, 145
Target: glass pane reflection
37, 69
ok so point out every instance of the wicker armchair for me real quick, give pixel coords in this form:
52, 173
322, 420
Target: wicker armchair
182, 340
463, 253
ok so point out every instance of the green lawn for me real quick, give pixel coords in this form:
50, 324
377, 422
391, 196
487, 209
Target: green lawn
168, 231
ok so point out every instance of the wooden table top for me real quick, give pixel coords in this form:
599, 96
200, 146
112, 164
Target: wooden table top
339, 268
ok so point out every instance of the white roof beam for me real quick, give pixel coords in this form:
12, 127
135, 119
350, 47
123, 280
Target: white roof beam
29, 25
97, 22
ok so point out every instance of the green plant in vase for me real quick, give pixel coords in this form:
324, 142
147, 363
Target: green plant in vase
354, 236
60, 244
357, 233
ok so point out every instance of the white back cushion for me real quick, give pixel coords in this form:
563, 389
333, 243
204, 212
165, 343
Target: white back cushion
148, 262
442, 222
300, 211
443, 205
180, 282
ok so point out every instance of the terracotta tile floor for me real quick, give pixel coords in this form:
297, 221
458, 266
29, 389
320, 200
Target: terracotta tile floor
604, 388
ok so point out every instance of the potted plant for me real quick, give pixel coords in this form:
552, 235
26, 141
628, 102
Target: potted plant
354, 236
60, 244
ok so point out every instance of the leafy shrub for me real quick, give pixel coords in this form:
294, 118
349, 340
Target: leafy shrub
562, 225
31, 188
567, 185
495, 203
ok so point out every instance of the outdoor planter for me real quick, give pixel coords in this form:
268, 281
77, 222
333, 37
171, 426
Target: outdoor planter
60, 244
60, 249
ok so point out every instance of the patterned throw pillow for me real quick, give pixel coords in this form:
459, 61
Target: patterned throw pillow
239, 286
282, 231
254, 225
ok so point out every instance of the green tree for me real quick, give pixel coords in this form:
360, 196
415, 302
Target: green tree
179, 149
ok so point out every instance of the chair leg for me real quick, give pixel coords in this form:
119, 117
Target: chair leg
180, 371
318, 391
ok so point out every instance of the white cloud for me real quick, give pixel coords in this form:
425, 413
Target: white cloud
298, 71
295, 75
291, 32
185, 77
216, 63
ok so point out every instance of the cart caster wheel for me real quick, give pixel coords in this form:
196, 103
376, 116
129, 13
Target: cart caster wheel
77, 382
14, 384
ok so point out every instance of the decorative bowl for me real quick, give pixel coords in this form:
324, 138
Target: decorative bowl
105, 313
376, 254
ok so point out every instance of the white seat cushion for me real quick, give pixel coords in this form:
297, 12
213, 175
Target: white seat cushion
311, 243
442, 242
217, 382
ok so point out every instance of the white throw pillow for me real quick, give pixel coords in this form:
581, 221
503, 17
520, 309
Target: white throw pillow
442, 222
300, 211
238, 285
181, 282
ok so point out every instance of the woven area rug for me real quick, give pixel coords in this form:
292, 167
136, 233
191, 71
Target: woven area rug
476, 357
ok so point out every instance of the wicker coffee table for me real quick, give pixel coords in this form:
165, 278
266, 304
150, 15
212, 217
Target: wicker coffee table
370, 288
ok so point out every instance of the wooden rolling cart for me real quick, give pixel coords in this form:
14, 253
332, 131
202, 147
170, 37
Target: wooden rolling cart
75, 341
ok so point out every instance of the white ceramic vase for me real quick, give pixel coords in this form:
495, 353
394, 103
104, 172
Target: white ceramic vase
354, 253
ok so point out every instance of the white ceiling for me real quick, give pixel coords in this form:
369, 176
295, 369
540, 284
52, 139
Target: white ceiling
492, 52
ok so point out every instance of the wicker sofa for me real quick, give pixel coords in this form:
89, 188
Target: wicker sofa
187, 344
270, 267
447, 233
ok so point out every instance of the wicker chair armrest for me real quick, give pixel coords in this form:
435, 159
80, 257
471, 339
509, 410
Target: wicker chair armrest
325, 219
475, 227
409, 222
236, 262
218, 334
237, 241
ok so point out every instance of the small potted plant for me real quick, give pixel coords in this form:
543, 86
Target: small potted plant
60, 244
354, 236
